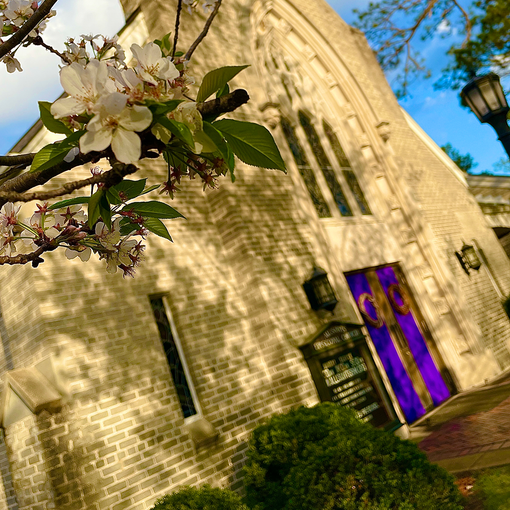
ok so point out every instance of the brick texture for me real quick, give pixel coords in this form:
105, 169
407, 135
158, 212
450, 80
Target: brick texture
232, 280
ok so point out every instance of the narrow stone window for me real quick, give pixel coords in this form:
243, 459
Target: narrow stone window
327, 169
305, 170
178, 369
349, 175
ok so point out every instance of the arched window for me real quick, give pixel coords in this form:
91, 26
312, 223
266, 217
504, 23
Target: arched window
349, 175
325, 165
305, 170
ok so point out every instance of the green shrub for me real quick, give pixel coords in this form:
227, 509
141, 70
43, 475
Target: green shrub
204, 498
494, 488
324, 458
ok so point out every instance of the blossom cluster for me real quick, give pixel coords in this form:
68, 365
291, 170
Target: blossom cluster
13, 14
111, 101
67, 227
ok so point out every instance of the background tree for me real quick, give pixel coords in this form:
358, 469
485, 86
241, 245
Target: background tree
464, 161
393, 27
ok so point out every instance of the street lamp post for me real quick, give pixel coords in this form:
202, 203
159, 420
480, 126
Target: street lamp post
485, 96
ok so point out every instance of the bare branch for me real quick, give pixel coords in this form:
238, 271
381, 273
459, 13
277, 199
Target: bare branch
19, 159
38, 41
202, 35
27, 27
34, 257
177, 21
467, 22
29, 180
224, 104
109, 178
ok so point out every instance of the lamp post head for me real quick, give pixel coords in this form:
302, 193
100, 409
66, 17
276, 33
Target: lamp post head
485, 96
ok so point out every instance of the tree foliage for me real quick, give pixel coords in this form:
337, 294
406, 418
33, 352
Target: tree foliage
324, 457
393, 28
464, 161
203, 498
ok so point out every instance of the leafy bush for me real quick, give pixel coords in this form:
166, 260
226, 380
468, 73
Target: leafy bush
204, 498
494, 488
325, 458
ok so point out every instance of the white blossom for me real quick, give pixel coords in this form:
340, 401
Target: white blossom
82, 252
84, 86
13, 64
152, 65
115, 124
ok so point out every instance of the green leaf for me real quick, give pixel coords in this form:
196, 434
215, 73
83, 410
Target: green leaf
153, 209
149, 189
94, 210
69, 202
126, 227
157, 227
113, 197
50, 122
218, 140
160, 109
164, 44
251, 143
48, 156
208, 145
223, 91
231, 163
130, 189
53, 154
72, 140
215, 80
105, 212
179, 130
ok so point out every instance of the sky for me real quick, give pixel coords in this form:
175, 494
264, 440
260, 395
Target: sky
438, 112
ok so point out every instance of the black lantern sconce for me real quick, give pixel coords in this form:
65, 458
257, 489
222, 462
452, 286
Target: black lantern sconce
468, 258
319, 291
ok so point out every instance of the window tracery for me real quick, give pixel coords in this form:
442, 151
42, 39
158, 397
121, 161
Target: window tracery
291, 86
350, 176
305, 169
325, 165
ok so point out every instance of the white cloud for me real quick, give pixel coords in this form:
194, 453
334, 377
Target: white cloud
443, 27
39, 80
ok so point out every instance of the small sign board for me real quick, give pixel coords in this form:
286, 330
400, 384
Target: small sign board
344, 373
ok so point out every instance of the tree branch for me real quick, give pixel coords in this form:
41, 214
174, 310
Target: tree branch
29, 180
109, 178
34, 257
224, 104
38, 41
177, 21
27, 27
202, 35
19, 159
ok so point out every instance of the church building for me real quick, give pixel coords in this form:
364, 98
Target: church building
367, 276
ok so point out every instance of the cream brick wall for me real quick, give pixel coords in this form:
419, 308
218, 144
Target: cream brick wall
233, 280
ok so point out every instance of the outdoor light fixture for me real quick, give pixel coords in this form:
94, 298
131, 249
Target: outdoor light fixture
319, 291
485, 96
468, 258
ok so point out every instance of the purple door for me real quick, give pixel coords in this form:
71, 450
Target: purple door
386, 305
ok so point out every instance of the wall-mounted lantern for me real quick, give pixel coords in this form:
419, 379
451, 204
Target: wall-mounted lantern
468, 258
319, 291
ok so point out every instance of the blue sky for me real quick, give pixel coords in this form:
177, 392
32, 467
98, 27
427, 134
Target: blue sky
438, 112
